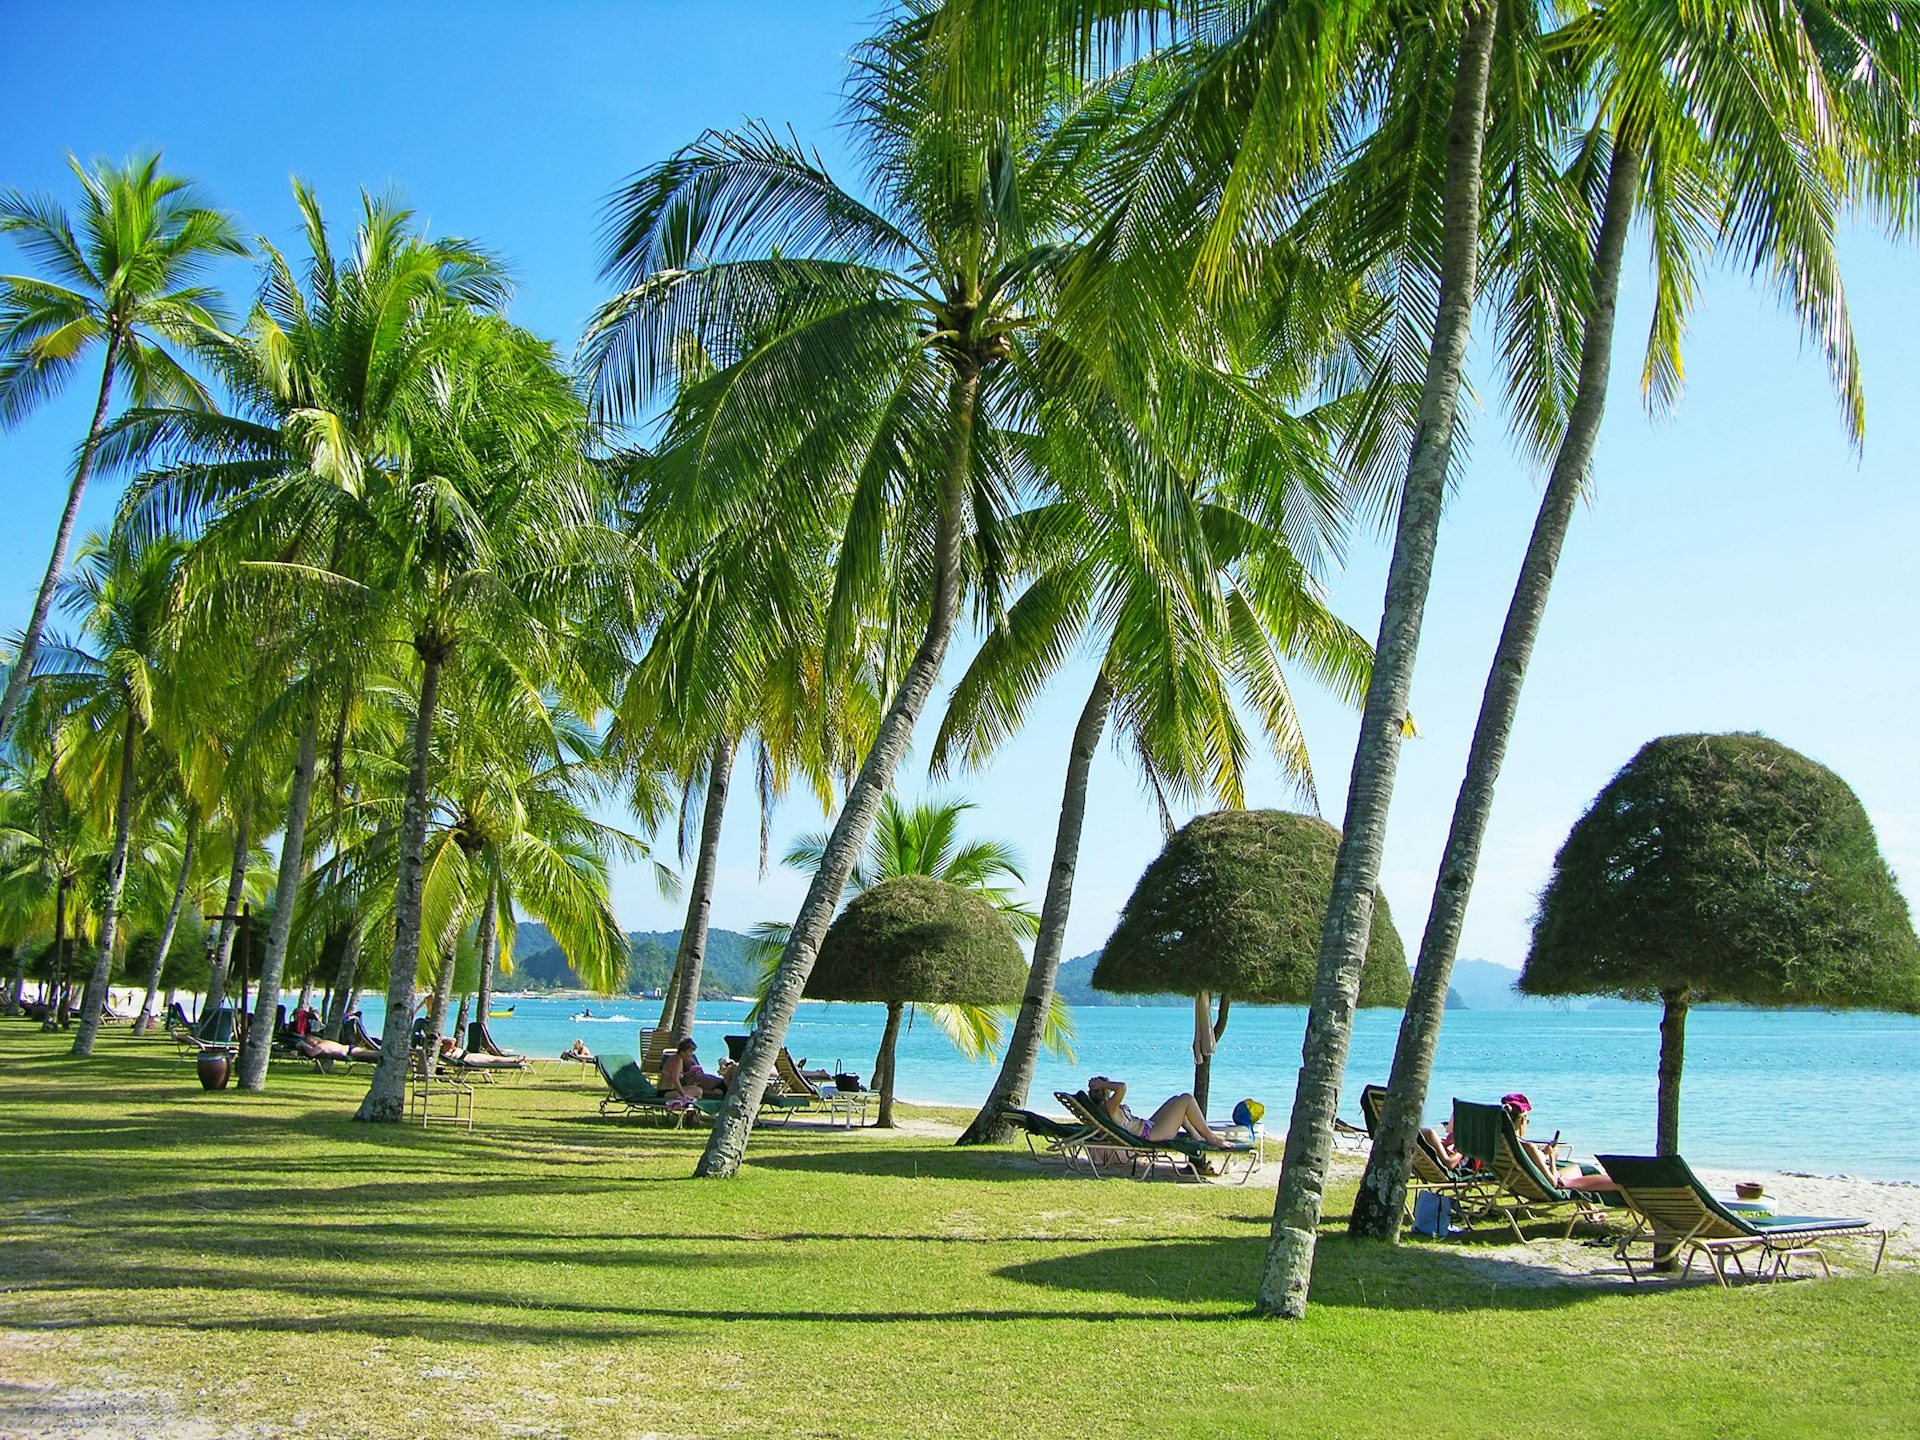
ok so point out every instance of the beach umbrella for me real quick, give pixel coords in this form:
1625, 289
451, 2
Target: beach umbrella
917, 940
1232, 907
1723, 868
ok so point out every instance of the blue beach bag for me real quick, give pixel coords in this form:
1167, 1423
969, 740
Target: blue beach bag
1432, 1214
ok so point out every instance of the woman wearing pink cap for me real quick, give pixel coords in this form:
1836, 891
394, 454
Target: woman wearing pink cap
1565, 1173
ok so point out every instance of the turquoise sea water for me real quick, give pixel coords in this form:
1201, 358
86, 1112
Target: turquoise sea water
1772, 1090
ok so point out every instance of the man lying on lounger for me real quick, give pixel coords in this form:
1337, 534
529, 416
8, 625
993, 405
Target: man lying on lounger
314, 1047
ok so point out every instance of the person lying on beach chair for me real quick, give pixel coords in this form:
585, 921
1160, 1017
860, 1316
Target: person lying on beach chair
1567, 1174
1180, 1114
319, 1050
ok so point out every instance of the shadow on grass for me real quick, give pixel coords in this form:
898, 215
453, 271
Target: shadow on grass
1346, 1273
864, 1157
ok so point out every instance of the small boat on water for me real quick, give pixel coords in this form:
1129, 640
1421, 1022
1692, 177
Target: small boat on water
500, 1014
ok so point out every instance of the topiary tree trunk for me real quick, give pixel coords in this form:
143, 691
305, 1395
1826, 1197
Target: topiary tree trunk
883, 1063
1203, 1067
1673, 1044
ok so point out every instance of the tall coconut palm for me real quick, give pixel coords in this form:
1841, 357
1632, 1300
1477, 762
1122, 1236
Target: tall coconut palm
892, 342
1170, 659
120, 274
1722, 127
332, 355
475, 546
109, 695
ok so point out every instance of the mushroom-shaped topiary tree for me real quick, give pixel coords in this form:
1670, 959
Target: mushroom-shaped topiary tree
917, 940
1723, 868
1233, 907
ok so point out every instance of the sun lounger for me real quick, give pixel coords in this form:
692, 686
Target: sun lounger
480, 1041
630, 1091
835, 1102
330, 1056
1472, 1190
1143, 1157
1673, 1211
353, 1031
1520, 1189
485, 1068
1050, 1135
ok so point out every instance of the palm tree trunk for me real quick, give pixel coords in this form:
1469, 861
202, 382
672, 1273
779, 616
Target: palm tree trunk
883, 1063
486, 941
728, 1142
693, 932
220, 942
293, 851
343, 979
145, 1022
386, 1096
1343, 941
990, 1126
54, 1017
95, 994
1383, 1189
17, 981
1673, 1045
62, 538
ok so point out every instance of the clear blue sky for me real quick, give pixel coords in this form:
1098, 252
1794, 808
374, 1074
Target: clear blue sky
1739, 567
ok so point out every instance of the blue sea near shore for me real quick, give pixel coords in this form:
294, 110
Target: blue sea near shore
1770, 1090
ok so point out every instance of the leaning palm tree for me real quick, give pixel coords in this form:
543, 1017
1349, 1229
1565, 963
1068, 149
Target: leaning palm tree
121, 274
894, 344
1721, 127
109, 695
1177, 665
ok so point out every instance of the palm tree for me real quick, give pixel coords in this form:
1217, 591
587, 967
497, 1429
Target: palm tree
1169, 657
1715, 131
924, 839
477, 546
108, 697
126, 282
893, 343
323, 377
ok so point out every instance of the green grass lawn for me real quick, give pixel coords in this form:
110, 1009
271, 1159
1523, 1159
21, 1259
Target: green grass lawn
264, 1265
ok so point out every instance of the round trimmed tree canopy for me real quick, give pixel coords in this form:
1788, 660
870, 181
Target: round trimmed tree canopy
1730, 868
917, 939
1234, 905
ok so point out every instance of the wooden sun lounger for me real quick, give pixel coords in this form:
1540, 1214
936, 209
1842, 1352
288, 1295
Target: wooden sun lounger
1673, 1211
1522, 1191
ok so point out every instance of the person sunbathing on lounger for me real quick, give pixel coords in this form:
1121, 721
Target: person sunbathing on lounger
682, 1078
1181, 1113
315, 1047
1564, 1173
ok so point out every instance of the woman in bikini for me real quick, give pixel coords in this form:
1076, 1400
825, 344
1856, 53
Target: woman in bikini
1181, 1113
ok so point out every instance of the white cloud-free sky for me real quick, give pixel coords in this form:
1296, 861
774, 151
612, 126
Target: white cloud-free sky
1739, 566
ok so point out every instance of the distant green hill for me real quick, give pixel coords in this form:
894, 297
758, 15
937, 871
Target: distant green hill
539, 964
